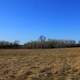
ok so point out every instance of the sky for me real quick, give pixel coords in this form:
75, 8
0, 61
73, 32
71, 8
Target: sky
26, 20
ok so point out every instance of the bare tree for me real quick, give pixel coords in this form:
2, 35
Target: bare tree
42, 38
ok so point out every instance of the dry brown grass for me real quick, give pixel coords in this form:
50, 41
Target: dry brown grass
45, 64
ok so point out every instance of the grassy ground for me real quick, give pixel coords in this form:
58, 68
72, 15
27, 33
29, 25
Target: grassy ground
46, 64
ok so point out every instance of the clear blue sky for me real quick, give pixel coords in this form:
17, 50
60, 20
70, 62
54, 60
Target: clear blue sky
26, 20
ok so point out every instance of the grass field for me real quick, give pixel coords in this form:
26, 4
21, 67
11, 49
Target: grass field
43, 64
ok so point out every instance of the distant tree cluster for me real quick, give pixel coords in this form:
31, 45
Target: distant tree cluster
8, 45
41, 43
44, 43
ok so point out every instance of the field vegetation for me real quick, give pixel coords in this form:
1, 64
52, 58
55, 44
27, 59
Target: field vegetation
40, 64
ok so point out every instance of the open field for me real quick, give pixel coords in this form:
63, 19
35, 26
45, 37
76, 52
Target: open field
45, 64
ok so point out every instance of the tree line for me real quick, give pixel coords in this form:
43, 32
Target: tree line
41, 43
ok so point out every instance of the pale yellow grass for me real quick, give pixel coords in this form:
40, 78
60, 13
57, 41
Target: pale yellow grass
42, 64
